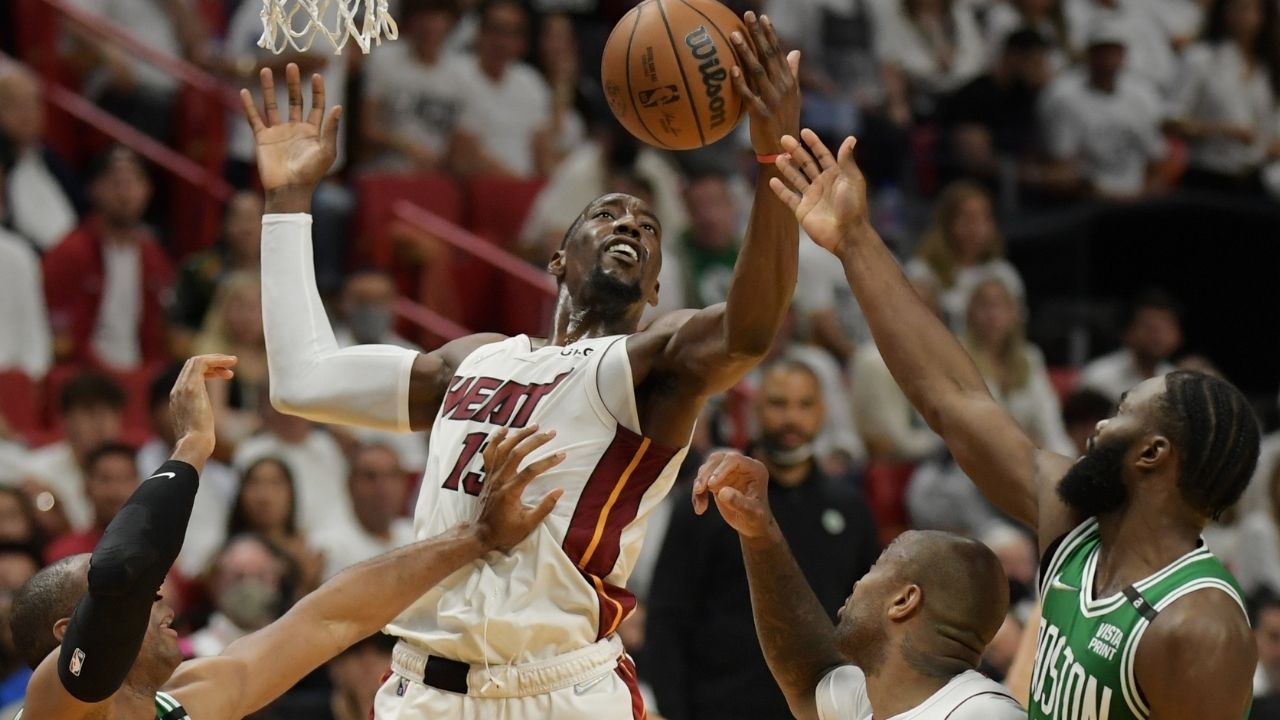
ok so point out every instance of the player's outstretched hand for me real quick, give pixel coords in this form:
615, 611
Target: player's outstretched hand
502, 519
740, 486
296, 153
769, 82
827, 194
189, 399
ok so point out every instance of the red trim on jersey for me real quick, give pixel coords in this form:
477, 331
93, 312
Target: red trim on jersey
627, 671
609, 502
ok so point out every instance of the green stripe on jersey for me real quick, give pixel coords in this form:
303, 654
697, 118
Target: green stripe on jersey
1085, 652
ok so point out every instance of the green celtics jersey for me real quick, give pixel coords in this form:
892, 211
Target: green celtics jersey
167, 708
1085, 652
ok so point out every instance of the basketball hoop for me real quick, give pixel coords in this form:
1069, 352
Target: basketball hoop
296, 23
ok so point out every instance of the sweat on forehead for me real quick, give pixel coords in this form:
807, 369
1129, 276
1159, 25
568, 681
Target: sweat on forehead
621, 200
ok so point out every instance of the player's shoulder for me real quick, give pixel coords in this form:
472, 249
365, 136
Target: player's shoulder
974, 696
1209, 615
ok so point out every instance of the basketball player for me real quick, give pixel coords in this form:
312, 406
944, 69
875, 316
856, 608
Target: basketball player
533, 634
97, 631
1140, 620
910, 635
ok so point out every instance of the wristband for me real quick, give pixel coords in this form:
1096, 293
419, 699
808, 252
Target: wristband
768, 159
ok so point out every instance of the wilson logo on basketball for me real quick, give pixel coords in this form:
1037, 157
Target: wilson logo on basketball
713, 76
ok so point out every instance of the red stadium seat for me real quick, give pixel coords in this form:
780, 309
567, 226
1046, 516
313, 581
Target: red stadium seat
20, 403
496, 211
377, 193
886, 486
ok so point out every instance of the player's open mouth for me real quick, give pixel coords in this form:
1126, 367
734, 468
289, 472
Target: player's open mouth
623, 250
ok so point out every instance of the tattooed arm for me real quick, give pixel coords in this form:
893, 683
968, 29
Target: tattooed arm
795, 632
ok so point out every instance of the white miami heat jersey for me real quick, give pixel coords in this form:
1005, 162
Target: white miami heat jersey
563, 587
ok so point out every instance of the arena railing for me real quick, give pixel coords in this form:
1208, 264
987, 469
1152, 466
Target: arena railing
198, 204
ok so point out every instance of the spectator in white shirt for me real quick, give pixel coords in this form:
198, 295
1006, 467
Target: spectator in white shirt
413, 92
44, 198
995, 336
249, 587
506, 111
1225, 104
1152, 334
1254, 556
1101, 126
378, 498
267, 505
26, 345
961, 246
1152, 29
929, 48
125, 83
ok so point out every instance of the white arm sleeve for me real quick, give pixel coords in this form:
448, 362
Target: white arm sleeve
311, 376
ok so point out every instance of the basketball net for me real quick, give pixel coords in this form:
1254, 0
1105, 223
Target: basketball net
280, 17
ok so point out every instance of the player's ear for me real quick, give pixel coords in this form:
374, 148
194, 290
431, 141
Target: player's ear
60, 628
906, 602
1156, 451
653, 295
556, 266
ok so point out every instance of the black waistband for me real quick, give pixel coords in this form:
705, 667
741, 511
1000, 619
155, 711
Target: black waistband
446, 674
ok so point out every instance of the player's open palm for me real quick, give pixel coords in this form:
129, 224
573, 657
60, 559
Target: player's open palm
827, 194
740, 486
296, 152
502, 518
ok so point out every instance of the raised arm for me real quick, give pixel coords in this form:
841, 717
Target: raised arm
381, 386
102, 639
719, 344
360, 600
795, 633
829, 198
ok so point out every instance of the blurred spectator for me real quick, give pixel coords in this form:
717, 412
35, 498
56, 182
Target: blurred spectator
26, 344
202, 272
1101, 127
1264, 616
991, 122
891, 428
1225, 104
1081, 412
961, 246
558, 59
824, 306
378, 495
366, 316
106, 282
17, 565
312, 454
1254, 553
612, 161
233, 326
1045, 18
844, 92
704, 659
218, 483
110, 477
356, 674
18, 523
123, 82
267, 505
941, 497
928, 48
250, 589
1152, 334
413, 92
91, 408
40, 197
1151, 29
1001, 651
1257, 496
506, 110
709, 248
995, 336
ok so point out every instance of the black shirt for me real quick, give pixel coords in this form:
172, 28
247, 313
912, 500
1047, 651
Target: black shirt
701, 653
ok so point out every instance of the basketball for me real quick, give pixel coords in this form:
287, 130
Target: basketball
665, 72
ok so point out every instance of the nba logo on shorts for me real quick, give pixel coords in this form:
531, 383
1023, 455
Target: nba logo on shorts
77, 662
402, 687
